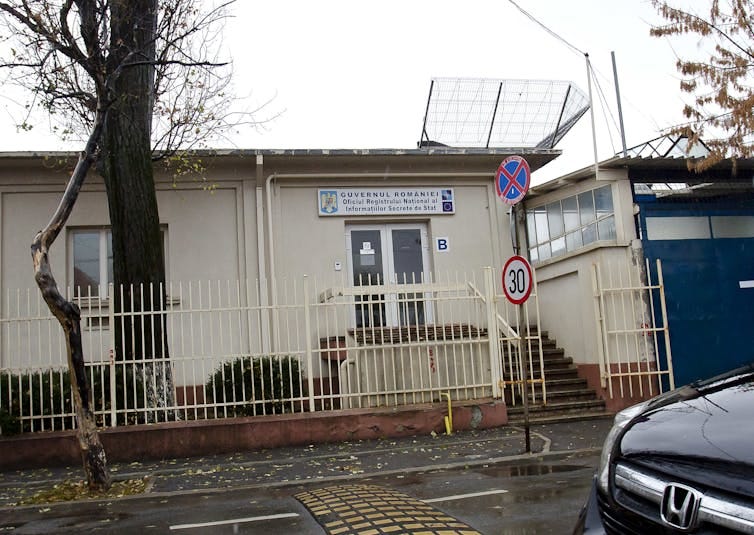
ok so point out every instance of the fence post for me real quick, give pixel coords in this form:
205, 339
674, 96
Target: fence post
492, 332
601, 328
113, 382
535, 295
665, 326
308, 342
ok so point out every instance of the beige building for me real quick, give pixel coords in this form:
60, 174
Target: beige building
591, 280
267, 251
269, 254
263, 254
256, 214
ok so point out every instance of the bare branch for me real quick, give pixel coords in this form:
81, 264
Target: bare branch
65, 58
722, 110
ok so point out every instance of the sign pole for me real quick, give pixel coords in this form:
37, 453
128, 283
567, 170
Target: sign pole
512, 182
524, 368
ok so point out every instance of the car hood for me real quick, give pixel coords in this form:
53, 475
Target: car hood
710, 422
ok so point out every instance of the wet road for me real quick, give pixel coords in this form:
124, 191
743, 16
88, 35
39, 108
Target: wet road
494, 499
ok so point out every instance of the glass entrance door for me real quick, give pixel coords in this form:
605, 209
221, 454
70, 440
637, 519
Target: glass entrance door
408, 264
368, 268
388, 254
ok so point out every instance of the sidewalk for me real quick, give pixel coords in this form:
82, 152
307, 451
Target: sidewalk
328, 462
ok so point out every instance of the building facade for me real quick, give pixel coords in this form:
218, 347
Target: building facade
644, 268
268, 255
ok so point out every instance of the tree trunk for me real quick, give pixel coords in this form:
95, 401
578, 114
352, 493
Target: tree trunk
68, 314
126, 166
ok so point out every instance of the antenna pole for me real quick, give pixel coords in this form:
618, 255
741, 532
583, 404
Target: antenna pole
591, 113
620, 107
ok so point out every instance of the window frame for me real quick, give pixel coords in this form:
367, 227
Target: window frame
83, 293
589, 221
392, 307
104, 269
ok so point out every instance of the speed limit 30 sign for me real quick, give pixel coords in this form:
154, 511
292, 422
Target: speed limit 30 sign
517, 280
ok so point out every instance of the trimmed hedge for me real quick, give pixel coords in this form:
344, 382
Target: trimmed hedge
45, 395
267, 384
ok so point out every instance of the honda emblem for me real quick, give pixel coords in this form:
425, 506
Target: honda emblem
680, 506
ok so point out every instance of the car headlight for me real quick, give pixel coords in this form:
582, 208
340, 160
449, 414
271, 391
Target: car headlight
621, 420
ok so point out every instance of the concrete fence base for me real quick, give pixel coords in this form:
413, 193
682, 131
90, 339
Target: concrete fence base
210, 437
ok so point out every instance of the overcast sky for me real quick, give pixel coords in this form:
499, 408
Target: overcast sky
356, 74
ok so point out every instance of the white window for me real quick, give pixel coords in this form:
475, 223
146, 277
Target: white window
91, 261
569, 224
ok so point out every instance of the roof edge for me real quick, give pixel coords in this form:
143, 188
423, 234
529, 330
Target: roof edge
428, 151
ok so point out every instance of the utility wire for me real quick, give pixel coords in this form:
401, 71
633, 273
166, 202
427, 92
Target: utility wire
545, 28
606, 111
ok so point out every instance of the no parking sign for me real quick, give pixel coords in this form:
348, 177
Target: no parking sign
512, 180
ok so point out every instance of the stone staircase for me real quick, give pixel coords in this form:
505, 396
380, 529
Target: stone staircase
568, 396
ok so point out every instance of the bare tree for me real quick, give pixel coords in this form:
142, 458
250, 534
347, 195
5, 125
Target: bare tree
68, 314
722, 110
137, 80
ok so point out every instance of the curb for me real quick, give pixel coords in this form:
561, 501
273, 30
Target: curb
508, 459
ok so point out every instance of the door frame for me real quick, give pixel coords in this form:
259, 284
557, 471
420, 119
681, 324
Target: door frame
392, 315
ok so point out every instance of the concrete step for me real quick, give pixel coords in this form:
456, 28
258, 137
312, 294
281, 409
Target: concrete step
579, 394
560, 394
553, 361
568, 396
548, 349
533, 330
538, 411
550, 353
546, 343
564, 406
552, 357
552, 374
554, 385
558, 418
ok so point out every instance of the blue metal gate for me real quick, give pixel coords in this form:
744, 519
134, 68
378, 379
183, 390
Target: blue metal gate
707, 253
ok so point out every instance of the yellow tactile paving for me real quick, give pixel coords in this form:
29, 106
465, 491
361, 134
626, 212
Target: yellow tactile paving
373, 510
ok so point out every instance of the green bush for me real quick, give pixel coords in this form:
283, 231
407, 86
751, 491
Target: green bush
251, 386
44, 395
37, 400
9, 424
129, 392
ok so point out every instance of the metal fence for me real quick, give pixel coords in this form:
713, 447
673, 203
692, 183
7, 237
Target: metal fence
227, 349
634, 348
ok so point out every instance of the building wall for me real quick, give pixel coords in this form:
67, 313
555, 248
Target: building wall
204, 241
565, 287
567, 300
202, 232
306, 243
216, 229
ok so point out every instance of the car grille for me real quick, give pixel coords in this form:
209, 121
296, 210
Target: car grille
623, 521
639, 491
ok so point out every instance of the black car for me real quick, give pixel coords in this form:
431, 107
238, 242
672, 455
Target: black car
682, 462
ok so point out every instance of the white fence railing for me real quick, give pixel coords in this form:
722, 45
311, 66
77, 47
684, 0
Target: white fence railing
222, 349
634, 348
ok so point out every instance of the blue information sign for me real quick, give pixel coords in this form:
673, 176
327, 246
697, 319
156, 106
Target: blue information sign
512, 180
